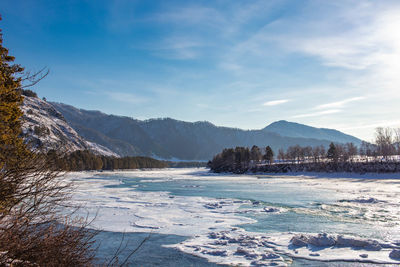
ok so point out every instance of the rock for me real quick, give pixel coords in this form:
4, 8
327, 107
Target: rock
299, 240
395, 254
248, 254
314, 254
269, 256
262, 263
321, 240
222, 253
212, 206
270, 209
370, 200
364, 256
221, 242
240, 251
213, 235
325, 240
358, 243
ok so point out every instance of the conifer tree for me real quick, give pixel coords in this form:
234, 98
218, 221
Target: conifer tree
11, 144
332, 152
12, 148
33, 231
269, 154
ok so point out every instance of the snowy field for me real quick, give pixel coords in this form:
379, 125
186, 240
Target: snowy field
251, 220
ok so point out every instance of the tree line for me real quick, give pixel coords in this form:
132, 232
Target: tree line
382, 155
239, 159
84, 160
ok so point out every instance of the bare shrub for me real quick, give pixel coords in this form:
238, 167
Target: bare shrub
34, 225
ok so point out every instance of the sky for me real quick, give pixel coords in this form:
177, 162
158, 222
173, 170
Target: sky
244, 64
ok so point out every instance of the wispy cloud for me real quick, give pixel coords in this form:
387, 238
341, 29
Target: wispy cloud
188, 57
373, 125
276, 102
339, 104
366, 44
178, 47
126, 97
190, 15
317, 114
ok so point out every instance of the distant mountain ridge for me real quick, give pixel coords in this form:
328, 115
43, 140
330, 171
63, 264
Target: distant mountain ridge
172, 139
293, 129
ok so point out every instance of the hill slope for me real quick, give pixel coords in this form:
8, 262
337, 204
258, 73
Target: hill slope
45, 128
169, 138
292, 129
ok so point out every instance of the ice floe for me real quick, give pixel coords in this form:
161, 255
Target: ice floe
234, 247
238, 247
213, 225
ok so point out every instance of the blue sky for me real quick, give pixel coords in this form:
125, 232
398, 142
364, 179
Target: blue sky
242, 64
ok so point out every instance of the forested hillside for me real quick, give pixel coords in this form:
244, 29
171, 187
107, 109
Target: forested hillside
169, 138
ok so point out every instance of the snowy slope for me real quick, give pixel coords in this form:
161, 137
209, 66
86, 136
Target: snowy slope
45, 128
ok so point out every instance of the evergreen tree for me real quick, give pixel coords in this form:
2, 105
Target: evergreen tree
269, 154
11, 145
30, 192
332, 153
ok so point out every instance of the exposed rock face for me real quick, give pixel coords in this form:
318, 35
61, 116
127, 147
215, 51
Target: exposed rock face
45, 129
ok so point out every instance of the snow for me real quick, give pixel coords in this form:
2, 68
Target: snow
214, 225
59, 134
127, 210
246, 248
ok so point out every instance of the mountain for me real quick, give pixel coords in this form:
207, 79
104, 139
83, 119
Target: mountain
171, 139
45, 128
292, 129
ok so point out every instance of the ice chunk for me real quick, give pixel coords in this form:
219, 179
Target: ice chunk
358, 243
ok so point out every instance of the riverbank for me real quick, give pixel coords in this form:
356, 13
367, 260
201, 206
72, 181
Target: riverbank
358, 168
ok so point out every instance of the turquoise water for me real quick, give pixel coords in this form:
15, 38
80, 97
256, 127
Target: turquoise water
306, 209
281, 194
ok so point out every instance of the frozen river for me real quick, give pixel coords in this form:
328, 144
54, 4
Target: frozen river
197, 218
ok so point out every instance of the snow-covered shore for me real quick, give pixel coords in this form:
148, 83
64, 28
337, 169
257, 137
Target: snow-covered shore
337, 175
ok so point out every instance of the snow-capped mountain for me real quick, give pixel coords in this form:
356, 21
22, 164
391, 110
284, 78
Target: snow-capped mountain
45, 128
